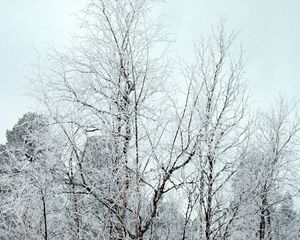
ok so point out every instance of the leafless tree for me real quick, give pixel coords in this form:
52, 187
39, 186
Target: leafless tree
268, 169
108, 85
220, 100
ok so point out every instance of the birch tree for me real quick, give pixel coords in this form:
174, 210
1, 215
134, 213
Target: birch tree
268, 170
106, 85
220, 99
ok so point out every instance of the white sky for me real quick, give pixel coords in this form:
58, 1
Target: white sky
269, 30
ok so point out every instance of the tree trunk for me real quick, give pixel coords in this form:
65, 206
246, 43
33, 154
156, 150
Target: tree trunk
44, 217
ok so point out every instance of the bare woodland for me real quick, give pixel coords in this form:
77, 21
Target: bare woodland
117, 152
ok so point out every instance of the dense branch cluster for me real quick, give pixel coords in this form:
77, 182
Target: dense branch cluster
116, 154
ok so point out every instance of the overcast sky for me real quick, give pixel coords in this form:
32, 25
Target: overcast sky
269, 30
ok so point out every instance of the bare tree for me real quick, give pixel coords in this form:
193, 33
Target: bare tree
278, 137
267, 171
107, 85
220, 97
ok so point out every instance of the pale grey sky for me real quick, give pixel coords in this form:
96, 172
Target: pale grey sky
269, 30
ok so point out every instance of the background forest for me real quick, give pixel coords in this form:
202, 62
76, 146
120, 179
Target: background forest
121, 149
